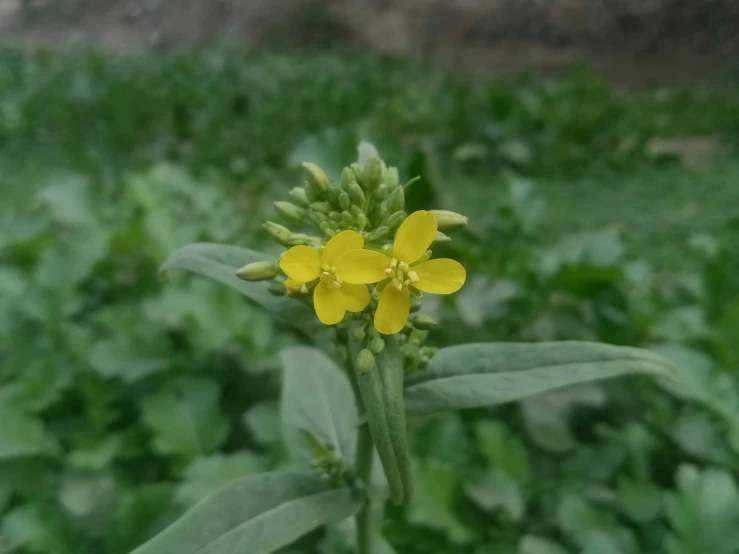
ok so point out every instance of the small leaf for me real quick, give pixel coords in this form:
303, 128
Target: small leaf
40, 529
641, 501
484, 374
142, 513
497, 490
118, 357
256, 514
503, 450
220, 262
22, 435
186, 417
317, 396
538, 545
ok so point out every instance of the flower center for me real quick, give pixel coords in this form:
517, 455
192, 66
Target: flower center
401, 274
329, 278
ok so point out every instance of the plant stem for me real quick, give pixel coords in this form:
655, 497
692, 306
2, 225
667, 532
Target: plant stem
363, 468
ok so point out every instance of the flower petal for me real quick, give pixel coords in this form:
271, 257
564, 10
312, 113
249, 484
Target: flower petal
392, 310
301, 263
329, 304
341, 243
356, 297
362, 266
442, 276
414, 236
293, 285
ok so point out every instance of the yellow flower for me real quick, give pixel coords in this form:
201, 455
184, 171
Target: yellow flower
407, 267
332, 297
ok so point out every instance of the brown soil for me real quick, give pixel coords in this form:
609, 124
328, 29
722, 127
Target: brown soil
629, 41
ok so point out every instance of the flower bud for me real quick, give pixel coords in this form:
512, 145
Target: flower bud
298, 194
335, 216
392, 179
362, 221
447, 220
347, 218
355, 210
333, 195
415, 304
358, 173
318, 218
297, 239
372, 173
316, 179
380, 193
441, 238
344, 201
321, 207
347, 178
290, 212
279, 233
377, 344
358, 333
356, 194
277, 289
396, 200
365, 361
423, 322
378, 234
395, 220
258, 271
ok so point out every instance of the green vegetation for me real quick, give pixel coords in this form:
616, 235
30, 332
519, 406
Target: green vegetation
124, 400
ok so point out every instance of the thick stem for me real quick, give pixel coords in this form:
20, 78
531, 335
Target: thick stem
363, 468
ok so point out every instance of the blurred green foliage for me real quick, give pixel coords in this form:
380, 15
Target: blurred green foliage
123, 401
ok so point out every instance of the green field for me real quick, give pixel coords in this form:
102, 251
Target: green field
579, 229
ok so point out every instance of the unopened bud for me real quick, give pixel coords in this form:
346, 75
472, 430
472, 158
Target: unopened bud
441, 238
277, 289
415, 304
362, 221
358, 173
316, 179
358, 333
347, 177
377, 344
378, 234
396, 200
423, 322
320, 207
446, 220
392, 179
298, 194
372, 173
355, 210
381, 193
356, 194
297, 239
365, 361
317, 217
344, 201
347, 218
279, 233
290, 211
258, 271
395, 220
333, 195
335, 216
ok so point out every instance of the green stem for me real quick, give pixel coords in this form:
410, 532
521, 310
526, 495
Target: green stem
363, 468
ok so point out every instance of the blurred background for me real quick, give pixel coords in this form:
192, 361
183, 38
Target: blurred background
594, 144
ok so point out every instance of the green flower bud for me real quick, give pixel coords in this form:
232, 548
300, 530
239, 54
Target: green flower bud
447, 220
377, 344
277, 289
258, 271
381, 193
298, 194
365, 361
296, 239
316, 179
372, 173
355, 210
392, 179
396, 200
347, 177
290, 212
330, 233
347, 218
423, 322
335, 216
358, 173
441, 238
358, 333
362, 221
356, 194
344, 201
279, 233
394, 221
415, 304
318, 218
428, 351
378, 234
333, 195
321, 207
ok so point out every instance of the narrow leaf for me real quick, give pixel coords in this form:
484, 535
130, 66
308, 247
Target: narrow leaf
317, 397
257, 514
220, 262
484, 374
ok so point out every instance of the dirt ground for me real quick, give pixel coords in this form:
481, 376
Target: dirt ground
628, 41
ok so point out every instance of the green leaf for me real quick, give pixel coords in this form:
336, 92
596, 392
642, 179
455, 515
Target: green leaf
186, 417
497, 490
207, 474
23, 435
641, 501
256, 514
503, 450
484, 374
120, 357
538, 545
142, 513
317, 396
40, 529
220, 262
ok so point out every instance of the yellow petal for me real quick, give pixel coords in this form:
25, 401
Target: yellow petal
301, 263
362, 266
414, 236
329, 304
392, 310
293, 285
356, 297
341, 243
442, 276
